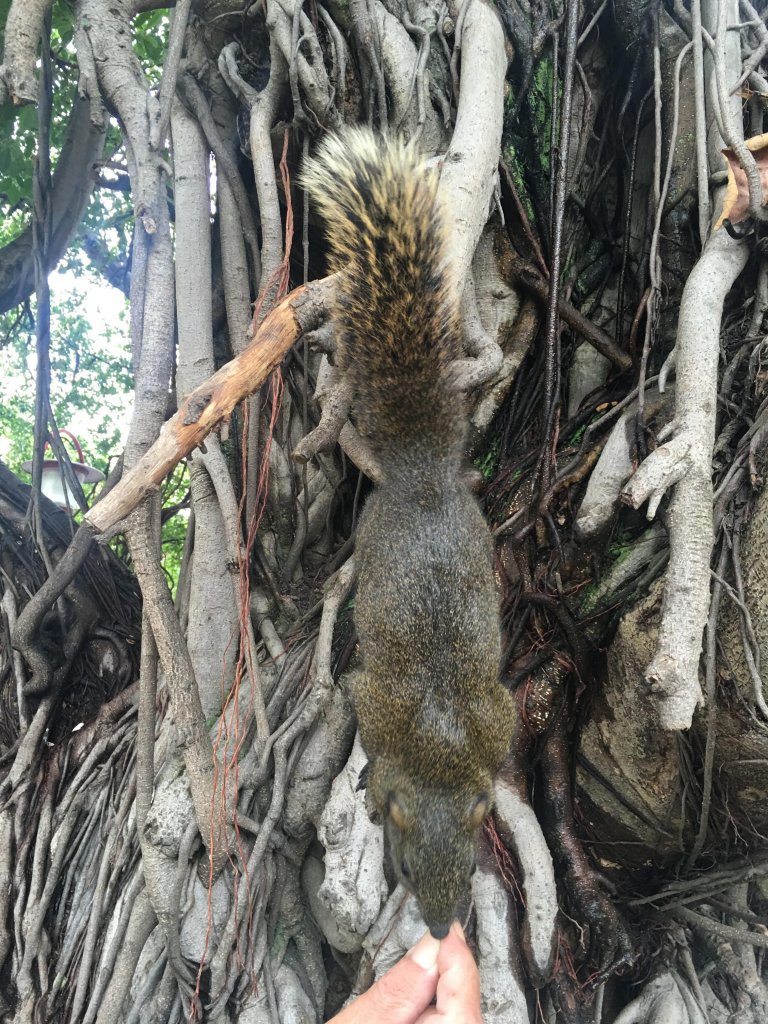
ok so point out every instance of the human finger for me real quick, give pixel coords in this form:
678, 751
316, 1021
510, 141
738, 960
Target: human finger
400, 995
458, 985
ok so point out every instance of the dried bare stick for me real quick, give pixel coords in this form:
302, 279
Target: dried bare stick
212, 402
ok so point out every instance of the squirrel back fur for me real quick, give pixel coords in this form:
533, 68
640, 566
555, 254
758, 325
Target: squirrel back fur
434, 720
396, 315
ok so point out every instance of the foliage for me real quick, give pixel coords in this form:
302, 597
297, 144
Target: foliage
19, 126
150, 41
91, 381
91, 373
175, 498
488, 462
91, 386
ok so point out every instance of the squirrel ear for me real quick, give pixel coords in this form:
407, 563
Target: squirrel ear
480, 808
395, 811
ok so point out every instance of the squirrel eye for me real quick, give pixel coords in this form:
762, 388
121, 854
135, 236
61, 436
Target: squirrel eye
404, 868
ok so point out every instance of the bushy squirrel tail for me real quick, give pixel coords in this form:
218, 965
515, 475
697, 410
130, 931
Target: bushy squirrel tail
396, 312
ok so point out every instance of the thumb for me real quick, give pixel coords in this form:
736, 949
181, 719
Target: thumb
458, 988
402, 994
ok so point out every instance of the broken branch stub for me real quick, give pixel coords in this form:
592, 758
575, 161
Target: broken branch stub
213, 401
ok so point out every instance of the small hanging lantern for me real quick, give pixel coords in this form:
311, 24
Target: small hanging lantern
53, 484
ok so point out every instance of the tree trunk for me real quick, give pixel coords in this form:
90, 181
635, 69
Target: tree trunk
183, 829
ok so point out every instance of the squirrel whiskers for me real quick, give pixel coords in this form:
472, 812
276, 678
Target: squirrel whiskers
434, 720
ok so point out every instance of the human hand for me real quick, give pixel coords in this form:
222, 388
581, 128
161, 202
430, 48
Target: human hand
445, 971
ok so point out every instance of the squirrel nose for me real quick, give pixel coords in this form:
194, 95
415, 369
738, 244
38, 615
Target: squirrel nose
439, 931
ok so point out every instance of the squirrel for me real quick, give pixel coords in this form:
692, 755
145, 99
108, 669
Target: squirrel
434, 720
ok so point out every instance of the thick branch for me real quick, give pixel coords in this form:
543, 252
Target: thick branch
70, 191
469, 171
23, 26
664, 999
519, 825
674, 671
186, 708
501, 974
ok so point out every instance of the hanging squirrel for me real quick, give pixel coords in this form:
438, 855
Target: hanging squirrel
434, 720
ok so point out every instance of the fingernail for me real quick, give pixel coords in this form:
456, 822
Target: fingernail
458, 930
424, 953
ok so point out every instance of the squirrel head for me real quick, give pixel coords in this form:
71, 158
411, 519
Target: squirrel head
431, 835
